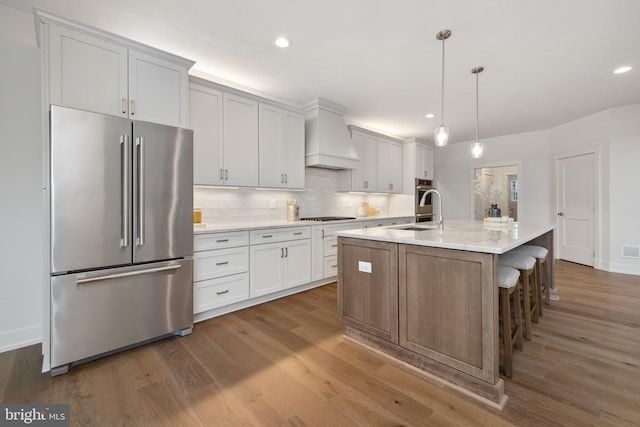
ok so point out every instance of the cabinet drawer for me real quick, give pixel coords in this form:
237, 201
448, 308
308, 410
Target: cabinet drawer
214, 293
330, 230
221, 262
330, 245
228, 239
279, 234
330, 266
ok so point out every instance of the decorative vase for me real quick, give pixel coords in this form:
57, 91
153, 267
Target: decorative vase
494, 211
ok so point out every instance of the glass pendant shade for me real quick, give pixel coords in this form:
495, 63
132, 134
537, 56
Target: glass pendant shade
441, 135
476, 150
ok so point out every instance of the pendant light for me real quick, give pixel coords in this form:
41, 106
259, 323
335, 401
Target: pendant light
441, 133
477, 148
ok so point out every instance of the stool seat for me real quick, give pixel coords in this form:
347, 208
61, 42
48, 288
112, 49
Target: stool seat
542, 284
535, 251
507, 277
511, 329
517, 260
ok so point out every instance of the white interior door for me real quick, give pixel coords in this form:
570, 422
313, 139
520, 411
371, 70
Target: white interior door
576, 207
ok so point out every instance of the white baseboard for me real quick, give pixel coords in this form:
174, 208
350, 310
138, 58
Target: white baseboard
18, 338
622, 268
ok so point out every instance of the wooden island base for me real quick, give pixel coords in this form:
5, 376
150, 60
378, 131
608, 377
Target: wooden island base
489, 394
433, 308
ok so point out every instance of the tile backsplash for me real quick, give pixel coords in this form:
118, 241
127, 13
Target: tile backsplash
319, 198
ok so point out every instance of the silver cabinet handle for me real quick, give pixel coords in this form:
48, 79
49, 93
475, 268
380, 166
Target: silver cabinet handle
281, 252
334, 246
560, 214
334, 266
226, 174
133, 107
286, 252
226, 291
322, 234
128, 274
124, 105
124, 153
266, 236
222, 240
222, 263
221, 175
286, 179
297, 233
140, 145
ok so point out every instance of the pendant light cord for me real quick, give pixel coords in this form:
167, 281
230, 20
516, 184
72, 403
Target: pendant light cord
477, 106
442, 105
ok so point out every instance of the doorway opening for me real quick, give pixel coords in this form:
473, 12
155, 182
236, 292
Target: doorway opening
495, 185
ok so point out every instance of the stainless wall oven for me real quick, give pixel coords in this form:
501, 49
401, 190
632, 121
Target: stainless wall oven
423, 213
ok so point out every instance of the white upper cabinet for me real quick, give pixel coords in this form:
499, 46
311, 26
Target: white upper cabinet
424, 161
389, 165
417, 160
205, 118
380, 165
157, 90
96, 71
240, 131
365, 177
294, 149
281, 150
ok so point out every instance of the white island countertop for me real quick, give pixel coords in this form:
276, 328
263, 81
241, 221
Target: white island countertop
457, 234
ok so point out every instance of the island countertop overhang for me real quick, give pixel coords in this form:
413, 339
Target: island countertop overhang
457, 234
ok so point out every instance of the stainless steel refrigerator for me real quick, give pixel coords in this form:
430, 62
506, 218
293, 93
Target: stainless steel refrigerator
121, 233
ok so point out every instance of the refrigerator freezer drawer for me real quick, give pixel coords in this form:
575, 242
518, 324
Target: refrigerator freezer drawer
97, 312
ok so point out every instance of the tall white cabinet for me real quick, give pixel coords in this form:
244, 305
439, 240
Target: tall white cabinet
281, 147
97, 71
240, 129
417, 162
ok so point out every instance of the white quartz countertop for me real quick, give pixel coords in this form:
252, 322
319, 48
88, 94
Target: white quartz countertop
256, 225
457, 234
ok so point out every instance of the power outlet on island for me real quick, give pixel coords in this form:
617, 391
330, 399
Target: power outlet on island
365, 267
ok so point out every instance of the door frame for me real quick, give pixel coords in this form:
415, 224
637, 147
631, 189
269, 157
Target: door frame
472, 176
596, 150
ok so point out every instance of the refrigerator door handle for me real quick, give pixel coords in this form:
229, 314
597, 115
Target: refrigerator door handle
140, 145
128, 274
125, 166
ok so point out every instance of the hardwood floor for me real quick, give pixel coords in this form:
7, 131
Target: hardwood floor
286, 363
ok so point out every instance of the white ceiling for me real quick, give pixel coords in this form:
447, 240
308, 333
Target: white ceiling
546, 62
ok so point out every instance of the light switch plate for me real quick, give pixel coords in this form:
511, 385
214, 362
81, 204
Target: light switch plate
365, 267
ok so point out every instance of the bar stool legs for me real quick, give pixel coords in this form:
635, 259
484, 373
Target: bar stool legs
526, 265
511, 325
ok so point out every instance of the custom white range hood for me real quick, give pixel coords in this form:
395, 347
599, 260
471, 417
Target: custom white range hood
327, 140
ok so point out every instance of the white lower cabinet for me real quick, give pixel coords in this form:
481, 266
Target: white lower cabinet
220, 269
283, 263
216, 293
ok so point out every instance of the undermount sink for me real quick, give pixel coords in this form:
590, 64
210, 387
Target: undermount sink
417, 227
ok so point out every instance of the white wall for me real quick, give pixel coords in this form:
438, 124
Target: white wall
453, 166
624, 187
20, 182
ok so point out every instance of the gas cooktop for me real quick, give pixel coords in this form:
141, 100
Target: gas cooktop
326, 218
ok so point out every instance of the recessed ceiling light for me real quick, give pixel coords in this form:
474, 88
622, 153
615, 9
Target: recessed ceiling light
622, 69
282, 42
430, 115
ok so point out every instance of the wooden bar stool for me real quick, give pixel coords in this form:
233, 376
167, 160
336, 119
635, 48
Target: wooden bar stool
527, 267
542, 284
511, 329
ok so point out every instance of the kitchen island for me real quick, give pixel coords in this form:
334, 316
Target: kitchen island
429, 297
